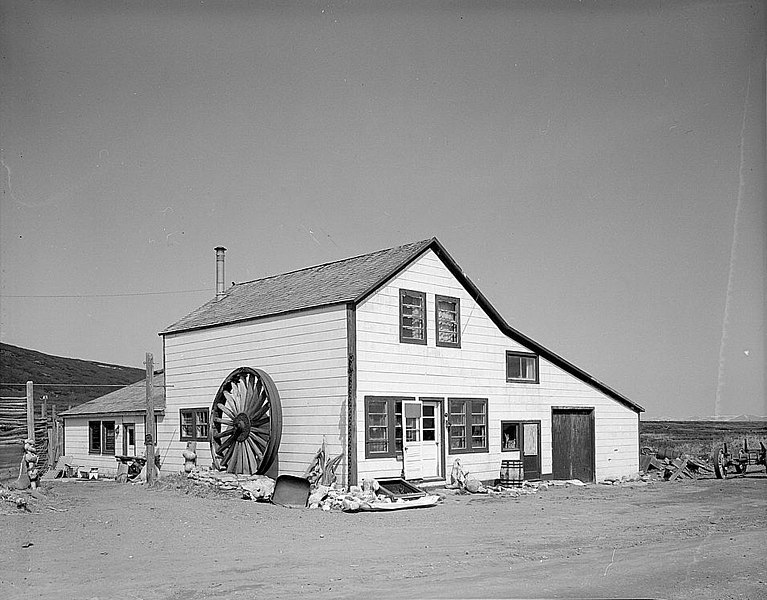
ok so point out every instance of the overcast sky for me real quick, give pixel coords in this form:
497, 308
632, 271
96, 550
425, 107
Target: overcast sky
597, 168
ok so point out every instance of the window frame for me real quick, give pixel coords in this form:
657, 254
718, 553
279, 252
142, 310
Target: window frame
194, 437
391, 426
467, 425
100, 447
402, 316
514, 353
518, 426
437, 299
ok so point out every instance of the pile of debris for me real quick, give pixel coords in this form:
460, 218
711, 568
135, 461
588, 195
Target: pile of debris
254, 487
670, 466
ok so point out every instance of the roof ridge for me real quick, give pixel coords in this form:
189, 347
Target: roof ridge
336, 262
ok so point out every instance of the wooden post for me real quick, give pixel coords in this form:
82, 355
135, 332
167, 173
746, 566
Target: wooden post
149, 433
30, 412
53, 439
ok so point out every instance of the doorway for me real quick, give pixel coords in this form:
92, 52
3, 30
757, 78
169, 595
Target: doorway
522, 440
129, 439
422, 444
572, 443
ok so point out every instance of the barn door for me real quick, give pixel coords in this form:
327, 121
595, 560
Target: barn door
572, 443
412, 455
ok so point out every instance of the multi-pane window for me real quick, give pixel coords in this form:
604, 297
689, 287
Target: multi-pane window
383, 426
429, 425
194, 424
448, 317
522, 367
412, 317
101, 437
377, 413
468, 425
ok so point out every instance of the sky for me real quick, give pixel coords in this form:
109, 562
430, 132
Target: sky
596, 168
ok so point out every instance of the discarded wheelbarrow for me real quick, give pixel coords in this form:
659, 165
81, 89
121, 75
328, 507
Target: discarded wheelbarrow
725, 461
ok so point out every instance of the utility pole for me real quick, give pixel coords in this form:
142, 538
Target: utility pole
149, 433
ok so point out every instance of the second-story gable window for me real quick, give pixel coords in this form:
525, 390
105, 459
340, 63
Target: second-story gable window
412, 317
448, 315
521, 367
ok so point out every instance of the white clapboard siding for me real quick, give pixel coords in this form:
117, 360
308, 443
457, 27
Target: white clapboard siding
477, 369
76, 440
304, 353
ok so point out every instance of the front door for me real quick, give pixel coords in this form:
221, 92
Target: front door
422, 442
129, 439
431, 436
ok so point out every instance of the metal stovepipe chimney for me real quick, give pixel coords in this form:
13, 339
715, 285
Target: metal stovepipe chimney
220, 251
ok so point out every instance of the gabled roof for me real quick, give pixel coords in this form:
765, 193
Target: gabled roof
130, 399
350, 281
331, 283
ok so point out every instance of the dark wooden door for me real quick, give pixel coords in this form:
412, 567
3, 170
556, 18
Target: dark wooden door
531, 450
572, 442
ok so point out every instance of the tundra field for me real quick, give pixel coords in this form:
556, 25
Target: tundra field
691, 538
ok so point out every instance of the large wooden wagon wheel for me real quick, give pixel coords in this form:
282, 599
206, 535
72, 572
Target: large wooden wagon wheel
246, 423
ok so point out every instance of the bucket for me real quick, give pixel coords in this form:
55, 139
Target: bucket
291, 491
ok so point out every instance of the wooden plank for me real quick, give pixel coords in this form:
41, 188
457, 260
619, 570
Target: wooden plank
30, 411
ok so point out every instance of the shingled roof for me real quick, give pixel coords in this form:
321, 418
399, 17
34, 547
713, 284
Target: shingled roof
338, 282
351, 281
130, 399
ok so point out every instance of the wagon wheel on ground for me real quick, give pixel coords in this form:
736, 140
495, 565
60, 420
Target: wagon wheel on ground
720, 463
246, 423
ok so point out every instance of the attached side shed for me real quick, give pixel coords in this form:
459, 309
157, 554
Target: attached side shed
113, 424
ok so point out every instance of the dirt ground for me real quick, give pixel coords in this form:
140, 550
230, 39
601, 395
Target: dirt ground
685, 539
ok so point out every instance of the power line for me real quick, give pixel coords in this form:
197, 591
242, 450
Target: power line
101, 295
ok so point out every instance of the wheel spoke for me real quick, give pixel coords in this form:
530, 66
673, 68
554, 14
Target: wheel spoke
250, 459
257, 414
261, 442
223, 434
231, 401
223, 421
255, 449
250, 385
230, 448
224, 409
241, 394
227, 444
262, 431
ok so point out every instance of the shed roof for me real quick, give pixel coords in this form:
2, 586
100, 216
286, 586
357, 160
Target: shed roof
129, 399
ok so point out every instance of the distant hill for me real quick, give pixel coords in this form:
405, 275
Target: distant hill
19, 365
720, 418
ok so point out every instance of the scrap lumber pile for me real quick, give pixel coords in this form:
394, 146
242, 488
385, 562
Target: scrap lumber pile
667, 467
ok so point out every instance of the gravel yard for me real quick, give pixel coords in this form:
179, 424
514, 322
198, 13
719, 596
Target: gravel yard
700, 538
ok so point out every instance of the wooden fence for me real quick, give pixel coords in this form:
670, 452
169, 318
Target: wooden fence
18, 419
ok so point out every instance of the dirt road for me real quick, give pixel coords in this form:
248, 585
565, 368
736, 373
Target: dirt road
691, 539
